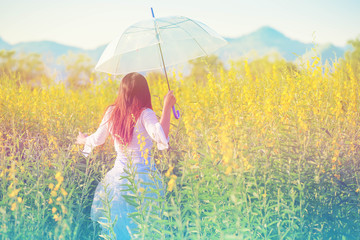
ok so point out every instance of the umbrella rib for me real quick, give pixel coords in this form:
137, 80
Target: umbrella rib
188, 19
139, 48
140, 29
172, 24
148, 28
118, 60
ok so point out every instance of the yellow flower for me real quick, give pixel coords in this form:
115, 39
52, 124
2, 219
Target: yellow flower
226, 159
63, 209
56, 217
50, 201
54, 210
60, 179
59, 199
53, 193
228, 170
13, 206
14, 193
51, 185
171, 183
19, 199
57, 187
141, 189
248, 166
63, 192
169, 171
357, 190
146, 155
57, 175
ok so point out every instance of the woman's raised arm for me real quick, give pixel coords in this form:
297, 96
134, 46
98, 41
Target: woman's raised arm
169, 101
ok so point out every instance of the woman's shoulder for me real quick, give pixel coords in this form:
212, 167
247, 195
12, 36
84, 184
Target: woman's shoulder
108, 112
109, 109
147, 113
148, 110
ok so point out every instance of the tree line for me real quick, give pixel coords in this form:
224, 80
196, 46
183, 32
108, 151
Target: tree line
30, 68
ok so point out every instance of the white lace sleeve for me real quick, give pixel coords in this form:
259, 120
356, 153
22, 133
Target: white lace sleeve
98, 137
154, 129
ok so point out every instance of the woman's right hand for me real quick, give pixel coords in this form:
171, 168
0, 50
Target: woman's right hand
81, 138
169, 100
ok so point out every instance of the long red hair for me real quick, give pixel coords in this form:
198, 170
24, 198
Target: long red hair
133, 97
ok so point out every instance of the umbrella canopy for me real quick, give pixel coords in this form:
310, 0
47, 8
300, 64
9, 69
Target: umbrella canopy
137, 49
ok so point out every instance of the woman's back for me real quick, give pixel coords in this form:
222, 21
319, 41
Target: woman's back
146, 130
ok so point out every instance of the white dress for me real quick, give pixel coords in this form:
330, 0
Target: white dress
149, 128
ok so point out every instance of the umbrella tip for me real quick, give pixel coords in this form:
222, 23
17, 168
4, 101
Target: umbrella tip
152, 12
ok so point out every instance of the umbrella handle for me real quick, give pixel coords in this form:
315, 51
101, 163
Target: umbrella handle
176, 112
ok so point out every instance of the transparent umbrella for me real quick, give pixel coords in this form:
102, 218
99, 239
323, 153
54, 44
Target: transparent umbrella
158, 43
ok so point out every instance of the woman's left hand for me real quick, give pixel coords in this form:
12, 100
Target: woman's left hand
81, 138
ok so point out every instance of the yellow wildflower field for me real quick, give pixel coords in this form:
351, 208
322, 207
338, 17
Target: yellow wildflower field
262, 150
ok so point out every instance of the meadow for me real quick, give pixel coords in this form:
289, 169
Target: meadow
263, 150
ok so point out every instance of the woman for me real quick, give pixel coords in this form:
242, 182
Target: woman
128, 120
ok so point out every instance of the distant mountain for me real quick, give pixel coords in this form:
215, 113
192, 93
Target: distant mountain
46, 48
4, 45
49, 49
96, 53
268, 40
263, 41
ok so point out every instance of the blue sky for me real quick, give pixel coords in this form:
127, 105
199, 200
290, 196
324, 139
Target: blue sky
91, 23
